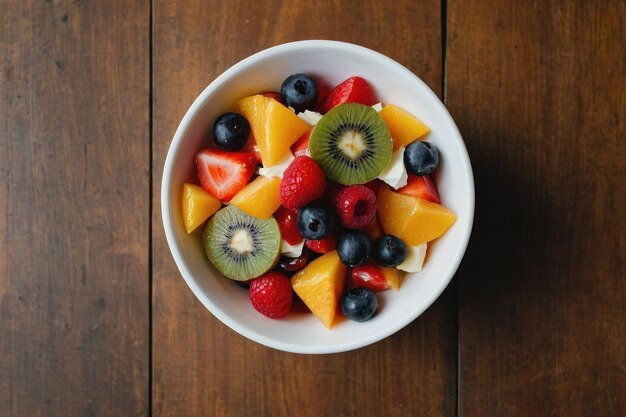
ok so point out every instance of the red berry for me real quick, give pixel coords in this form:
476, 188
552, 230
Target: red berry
352, 90
301, 146
356, 206
271, 295
322, 91
222, 173
286, 220
303, 182
324, 245
369, 276
422, 187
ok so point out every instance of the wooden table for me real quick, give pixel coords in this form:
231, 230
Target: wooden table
95, 319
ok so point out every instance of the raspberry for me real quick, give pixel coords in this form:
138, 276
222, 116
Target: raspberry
324, 245
303, 182
356, 206
271, 295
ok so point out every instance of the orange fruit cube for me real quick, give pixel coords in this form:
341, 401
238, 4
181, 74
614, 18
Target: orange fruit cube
197, 206
260, 198
273, 125
320, 284
404, 127
412, 219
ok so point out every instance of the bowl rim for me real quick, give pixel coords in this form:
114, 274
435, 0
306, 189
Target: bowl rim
168, 221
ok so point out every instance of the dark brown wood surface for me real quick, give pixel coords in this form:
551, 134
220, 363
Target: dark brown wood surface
74, 208
95, 319
539, 92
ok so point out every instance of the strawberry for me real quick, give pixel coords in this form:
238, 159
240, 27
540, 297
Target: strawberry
324, 245
224, 173
301, 146
303, 182
271, 295
286, 220
368, 276
352, 90
322, 92
422, 187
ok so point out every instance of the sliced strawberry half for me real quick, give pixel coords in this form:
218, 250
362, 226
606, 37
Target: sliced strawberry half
422, 187
324, 245
369, 276
352, 90
224, 173
301, 146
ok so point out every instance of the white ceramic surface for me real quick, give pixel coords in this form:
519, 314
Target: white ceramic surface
333, 62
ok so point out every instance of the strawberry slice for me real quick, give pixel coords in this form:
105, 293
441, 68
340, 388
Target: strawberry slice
368, 276
224, 173
352, 90
301, 146
324, 245
422, 187
322, 92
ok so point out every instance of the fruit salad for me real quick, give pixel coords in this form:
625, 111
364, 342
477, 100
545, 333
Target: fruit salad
316, 203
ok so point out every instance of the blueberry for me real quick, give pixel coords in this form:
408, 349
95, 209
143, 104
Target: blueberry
300, 92
231, 131
421, 158
359, 304
389, 250
354, 247
316, 220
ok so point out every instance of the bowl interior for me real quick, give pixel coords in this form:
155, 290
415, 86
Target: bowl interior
331, 62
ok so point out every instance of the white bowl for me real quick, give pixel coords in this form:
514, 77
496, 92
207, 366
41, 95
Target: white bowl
333, 62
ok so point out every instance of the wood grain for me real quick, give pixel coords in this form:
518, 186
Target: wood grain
74, 208
202, 368
538, 91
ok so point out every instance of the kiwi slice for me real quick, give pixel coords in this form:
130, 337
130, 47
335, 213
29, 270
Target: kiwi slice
351, 143
240, 246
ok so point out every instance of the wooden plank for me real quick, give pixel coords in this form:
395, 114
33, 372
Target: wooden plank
538, 90
202, 368
74, 208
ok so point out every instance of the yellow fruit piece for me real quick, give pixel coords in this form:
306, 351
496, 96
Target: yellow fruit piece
412, 219
403, 126
260, 198
392, 275
198, 205
320, 285
274, 126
